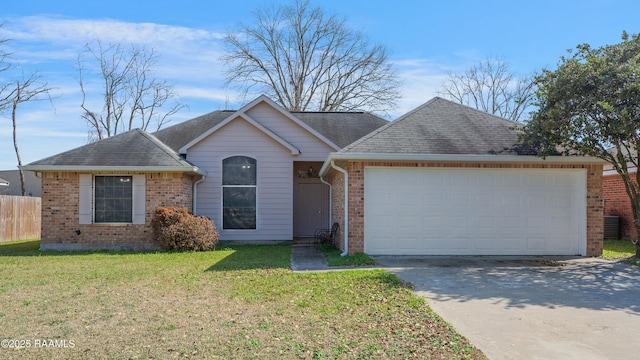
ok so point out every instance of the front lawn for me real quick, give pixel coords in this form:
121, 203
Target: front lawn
332, 254
238, 302
620, 250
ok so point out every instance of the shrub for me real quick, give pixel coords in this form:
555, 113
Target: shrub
175, 229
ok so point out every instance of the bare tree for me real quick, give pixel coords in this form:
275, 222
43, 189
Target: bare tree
307, 60
22, 91
16, 92
132, 96
490, 86
5, 66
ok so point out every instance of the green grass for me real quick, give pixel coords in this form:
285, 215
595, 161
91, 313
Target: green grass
620, 250
332, 255
238, 302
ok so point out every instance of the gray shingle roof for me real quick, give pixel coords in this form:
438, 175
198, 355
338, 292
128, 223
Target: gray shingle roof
178, 135
160, 149
440, 126
132, 148
341, 128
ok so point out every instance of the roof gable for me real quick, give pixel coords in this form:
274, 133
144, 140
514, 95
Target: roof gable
440, 126
336, 129
243, 113
247, 118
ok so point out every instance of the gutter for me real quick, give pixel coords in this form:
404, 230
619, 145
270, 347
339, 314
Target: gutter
346, 207
187, 169
442, 158
195, 194
330, 200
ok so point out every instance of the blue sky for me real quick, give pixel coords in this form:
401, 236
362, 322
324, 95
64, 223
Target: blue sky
428, 40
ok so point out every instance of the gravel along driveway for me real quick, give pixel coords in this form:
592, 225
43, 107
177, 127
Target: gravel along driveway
532, 308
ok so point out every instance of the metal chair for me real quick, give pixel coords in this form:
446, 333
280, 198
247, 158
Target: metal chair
326, 235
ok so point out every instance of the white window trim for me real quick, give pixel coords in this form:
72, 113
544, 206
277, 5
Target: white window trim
86, 199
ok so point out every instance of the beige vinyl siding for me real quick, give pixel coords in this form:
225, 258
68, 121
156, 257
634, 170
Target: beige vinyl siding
275, 168
311, 147
274, 182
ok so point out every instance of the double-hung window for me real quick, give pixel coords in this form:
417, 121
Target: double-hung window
239, 183
112, 199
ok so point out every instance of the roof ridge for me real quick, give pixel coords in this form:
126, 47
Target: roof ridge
162, 146
328, 112
386, 126
190, 120
439, 125
477, 110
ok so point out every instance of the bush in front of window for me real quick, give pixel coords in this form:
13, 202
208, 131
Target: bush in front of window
175, 228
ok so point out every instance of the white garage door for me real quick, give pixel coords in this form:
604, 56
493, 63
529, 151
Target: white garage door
461, 211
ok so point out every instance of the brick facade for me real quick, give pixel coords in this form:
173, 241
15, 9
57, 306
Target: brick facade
617, 203
60, 212
595, 225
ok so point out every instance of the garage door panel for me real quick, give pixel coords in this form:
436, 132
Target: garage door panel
535, 245
509, 180
455, 211
459, 199
485, 243
431, 199
511, 244
433, 223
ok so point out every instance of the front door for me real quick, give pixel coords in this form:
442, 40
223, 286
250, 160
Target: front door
311, 205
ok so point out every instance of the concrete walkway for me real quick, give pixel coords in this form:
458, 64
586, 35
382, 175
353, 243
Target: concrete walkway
305, 256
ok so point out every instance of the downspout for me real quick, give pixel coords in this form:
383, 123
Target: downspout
330, 200
195, 193
346, 207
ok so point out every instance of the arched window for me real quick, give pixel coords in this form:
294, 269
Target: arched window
239, 183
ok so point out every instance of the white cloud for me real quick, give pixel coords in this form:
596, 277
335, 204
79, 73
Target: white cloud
188, 58
421, 81
78, 31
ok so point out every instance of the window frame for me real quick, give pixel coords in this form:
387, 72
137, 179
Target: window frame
95, 202
230, 186
87, 203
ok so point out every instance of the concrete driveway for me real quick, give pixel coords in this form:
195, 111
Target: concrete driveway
529, 308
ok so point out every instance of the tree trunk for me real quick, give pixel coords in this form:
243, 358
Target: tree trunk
635, 209
15, 145
636, 242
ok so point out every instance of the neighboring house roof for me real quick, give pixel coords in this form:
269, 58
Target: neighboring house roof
32, 183
608, 169
440, 127
134, 150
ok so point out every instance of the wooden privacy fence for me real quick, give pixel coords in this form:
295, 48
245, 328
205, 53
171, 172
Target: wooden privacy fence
19, 217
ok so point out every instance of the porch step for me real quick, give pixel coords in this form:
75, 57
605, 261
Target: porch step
307, 257
303, 241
